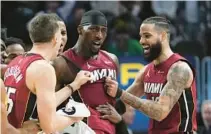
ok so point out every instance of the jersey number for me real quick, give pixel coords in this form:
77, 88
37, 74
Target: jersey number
156, 99
10, 103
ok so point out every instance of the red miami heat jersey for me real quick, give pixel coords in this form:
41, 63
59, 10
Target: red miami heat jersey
182, 117
93, 93
21, 102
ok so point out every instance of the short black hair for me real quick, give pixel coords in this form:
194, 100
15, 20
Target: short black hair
43, 27
12, 40
161, 23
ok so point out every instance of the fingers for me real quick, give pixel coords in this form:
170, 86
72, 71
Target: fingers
109, 105
103, 106
109, 81
86, 73
105, 111
104, 117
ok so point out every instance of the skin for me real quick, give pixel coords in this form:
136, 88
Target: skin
109, 112
65, 74
179, 77
206, 110
83, 47
6, 128
43, 85
12, 51
63, 29
3, 55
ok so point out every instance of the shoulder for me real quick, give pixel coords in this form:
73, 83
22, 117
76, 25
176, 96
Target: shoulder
40, 68
112, 56
180, 72
61, 67
58, 63
140, 74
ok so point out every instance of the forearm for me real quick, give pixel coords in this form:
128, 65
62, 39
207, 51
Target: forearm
152, 109
64, 93
62, 122
13, 130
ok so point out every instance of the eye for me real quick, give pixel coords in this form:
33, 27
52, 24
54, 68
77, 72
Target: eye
94, 29
104, 30
63, 33
147, 36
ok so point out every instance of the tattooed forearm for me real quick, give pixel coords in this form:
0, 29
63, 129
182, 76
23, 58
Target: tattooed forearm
150, 108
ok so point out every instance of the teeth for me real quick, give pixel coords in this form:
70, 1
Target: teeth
97, 43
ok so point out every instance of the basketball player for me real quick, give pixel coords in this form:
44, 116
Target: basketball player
168, 82
63, 30
86, 55
6, 128
30, 79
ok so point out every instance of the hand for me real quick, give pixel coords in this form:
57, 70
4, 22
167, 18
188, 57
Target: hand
109, 113
112, 88
81, 78
77, 119
30, 127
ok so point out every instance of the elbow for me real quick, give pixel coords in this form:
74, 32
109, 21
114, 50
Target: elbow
163, 115
161, 118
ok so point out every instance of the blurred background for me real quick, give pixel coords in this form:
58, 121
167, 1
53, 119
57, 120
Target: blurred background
190, 37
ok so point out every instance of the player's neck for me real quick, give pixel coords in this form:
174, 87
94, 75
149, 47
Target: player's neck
79, 49
165, 54
43, 49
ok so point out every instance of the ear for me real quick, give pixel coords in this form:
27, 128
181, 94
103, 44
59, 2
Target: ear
54, 41
80, 30
164, 36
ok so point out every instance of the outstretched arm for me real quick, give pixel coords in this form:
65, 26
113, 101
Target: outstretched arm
43, 84
180, 76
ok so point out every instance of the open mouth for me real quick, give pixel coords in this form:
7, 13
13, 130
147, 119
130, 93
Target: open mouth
96, 44
146, 50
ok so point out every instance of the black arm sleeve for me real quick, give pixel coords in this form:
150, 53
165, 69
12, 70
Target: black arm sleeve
121, 128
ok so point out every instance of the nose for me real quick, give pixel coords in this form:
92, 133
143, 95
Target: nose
99, 35
142, 40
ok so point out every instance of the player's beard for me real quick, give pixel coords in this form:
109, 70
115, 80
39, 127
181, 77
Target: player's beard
155, 51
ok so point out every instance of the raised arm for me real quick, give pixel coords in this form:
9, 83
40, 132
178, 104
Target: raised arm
137, 87
43, 83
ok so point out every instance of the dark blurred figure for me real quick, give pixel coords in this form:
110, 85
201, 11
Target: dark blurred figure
206, 116
146, 10
15, 16
15, 47
123, 44
208, 41
128, 19
72, 32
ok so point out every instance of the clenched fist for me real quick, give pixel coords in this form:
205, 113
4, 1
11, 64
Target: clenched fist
112, 88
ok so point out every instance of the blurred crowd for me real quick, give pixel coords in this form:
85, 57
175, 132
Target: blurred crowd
190, 22
190, 29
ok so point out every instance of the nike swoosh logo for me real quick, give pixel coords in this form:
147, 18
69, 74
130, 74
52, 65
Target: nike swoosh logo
69, 112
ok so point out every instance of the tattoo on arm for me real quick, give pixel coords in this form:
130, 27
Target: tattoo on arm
148, 107
179, 76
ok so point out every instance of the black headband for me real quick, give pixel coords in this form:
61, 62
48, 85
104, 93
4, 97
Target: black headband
93, 17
